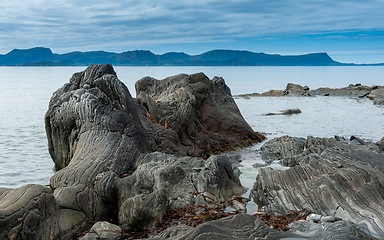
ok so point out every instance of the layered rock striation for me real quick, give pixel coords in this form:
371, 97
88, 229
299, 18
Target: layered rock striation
329, 176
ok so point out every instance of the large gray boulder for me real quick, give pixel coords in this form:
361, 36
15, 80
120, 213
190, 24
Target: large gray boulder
100, 141
200, 111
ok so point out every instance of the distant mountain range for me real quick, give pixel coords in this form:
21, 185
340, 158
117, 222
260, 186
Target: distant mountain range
40, 56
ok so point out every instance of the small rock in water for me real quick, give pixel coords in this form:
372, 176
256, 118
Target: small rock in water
285, 112
258, 165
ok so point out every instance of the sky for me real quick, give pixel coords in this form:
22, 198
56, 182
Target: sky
350, 31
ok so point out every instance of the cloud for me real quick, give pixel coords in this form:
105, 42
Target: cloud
118, 24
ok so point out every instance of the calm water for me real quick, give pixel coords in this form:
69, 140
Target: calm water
25, 94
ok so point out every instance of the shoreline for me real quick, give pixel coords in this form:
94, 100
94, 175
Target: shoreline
374, 93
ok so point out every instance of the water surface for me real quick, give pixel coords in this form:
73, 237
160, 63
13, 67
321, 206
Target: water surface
25, 94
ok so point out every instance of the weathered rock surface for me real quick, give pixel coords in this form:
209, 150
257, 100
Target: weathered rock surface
375, 93
329, 177
113, 159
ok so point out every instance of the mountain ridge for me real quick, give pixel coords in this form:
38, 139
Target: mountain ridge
41, 56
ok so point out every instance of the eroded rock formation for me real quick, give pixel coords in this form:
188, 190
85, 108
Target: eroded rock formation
126, 160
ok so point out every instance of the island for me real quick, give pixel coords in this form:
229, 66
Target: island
41, 56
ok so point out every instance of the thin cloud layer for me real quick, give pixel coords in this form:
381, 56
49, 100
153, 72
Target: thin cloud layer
122, 25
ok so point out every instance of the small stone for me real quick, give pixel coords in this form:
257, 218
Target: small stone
104, 230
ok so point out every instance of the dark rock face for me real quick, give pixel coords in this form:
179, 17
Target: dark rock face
200, 111
106, 150
329, 177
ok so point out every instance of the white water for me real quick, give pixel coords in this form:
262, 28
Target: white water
25, 94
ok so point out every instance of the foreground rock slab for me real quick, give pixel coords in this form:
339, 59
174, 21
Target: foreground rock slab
241, 226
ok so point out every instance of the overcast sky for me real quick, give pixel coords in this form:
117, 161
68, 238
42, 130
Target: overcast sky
348, 30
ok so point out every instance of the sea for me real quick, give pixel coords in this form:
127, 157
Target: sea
25, 93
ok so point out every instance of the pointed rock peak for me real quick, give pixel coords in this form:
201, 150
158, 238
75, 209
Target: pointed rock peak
98, 70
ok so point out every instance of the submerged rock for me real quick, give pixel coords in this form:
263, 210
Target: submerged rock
285, 112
